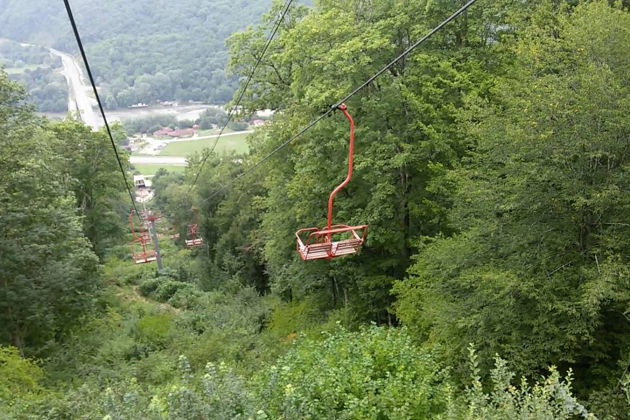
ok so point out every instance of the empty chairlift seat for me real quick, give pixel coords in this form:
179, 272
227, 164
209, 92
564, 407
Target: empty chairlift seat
144, 256
139, 252
340, 240
192, 241
334, 240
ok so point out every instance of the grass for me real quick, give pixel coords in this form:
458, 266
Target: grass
213, 132
233, 143
20, 70
147, 169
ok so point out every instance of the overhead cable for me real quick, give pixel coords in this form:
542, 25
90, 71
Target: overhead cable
345, 98
98, 100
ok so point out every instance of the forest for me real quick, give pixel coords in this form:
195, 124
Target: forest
142, 51
491, 166
38, 71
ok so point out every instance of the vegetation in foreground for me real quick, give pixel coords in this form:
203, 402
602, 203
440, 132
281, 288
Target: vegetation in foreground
164, 349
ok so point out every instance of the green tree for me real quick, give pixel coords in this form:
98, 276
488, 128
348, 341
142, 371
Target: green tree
406, 135
538, 270
95, 179
212, 116
48, 270
19, 376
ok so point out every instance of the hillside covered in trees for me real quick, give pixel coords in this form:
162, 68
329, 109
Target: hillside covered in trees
142, 51
39, 71
491, 166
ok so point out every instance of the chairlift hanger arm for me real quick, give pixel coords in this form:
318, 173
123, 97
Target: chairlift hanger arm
133, 232
343, 108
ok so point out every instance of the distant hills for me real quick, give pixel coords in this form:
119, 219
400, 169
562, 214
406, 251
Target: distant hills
141, 50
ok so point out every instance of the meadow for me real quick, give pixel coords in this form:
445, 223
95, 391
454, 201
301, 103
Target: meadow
227, 143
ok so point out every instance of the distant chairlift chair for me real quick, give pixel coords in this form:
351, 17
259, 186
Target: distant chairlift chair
139, 252
192, 241
336, 240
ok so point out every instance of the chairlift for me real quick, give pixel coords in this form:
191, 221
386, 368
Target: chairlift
335, 240
192, 241
139, 252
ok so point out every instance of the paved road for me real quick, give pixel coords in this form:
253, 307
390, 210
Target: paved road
78, 98
159, 160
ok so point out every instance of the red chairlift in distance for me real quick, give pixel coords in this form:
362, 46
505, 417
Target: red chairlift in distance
314, 243
192, 241
146, 255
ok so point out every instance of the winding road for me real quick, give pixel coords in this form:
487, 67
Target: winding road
78, 98
81, 103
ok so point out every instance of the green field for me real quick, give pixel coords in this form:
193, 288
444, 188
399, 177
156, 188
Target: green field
19, 70
212, 132
146, 169
233, 143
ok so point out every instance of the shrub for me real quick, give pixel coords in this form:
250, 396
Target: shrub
153, 329
18, 376
185, 297
374, 373
168, 288
119, 272
149, 286
550, 399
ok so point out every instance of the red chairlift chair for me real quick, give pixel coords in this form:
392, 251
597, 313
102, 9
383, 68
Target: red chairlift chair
140, 242
335, 240
192, 234
192, 241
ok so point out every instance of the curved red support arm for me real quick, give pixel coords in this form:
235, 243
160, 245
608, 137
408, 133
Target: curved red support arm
133, 232
343, 109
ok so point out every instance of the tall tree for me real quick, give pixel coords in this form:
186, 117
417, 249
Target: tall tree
538, 270
48, 270
95, 180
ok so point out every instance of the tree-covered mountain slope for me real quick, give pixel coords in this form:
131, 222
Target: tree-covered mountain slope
142, 51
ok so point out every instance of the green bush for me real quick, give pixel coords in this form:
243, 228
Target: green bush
164, 288
154, 329
374, 373
185, 297
168, 288
18, 376
120, 271
296, 316
550, 399
149, 286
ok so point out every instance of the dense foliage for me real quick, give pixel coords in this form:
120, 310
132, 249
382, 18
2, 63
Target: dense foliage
142, 51
38, 70
539, 260
48, 266
491, 166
